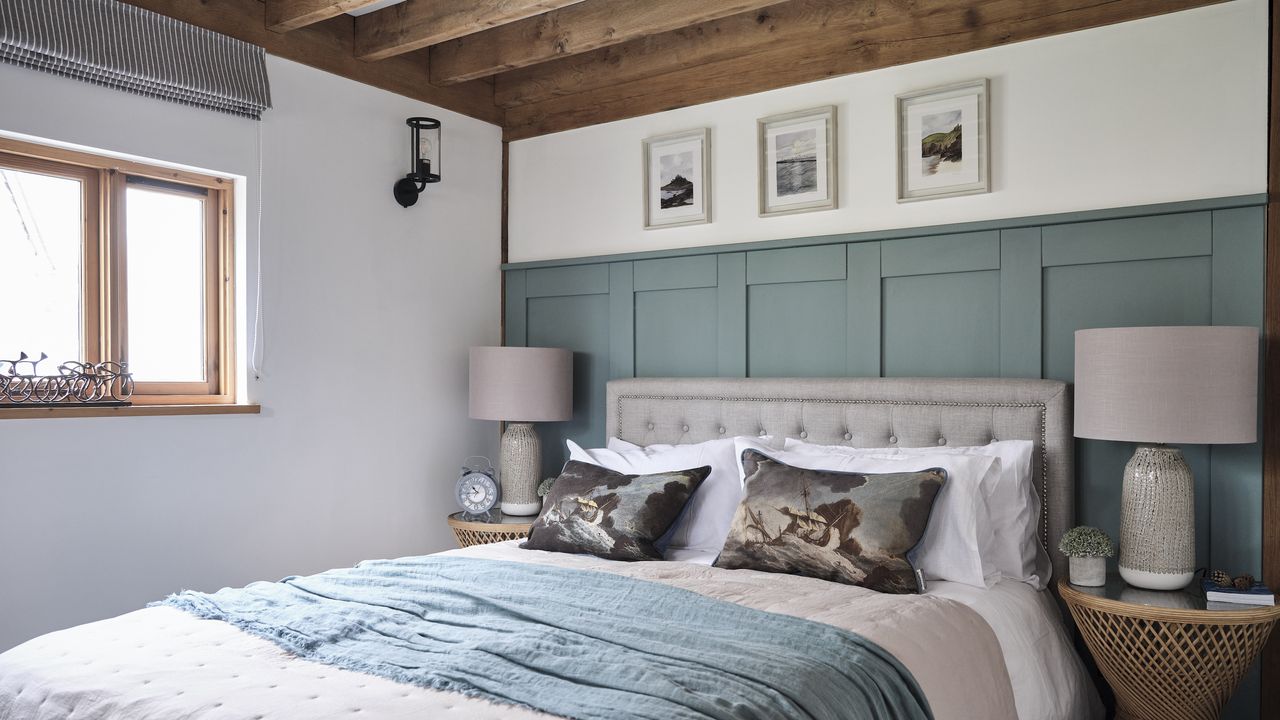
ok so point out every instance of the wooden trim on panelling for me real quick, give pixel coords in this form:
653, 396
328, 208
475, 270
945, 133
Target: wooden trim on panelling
329, 46
1270, 682
1187, 206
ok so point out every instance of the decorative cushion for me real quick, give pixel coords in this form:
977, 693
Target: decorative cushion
699, 532
852, 528
594, 510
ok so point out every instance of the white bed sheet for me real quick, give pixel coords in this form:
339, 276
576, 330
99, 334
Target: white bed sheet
1049, 679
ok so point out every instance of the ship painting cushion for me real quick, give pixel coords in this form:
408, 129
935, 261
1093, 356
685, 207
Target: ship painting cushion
846, 527
609, 514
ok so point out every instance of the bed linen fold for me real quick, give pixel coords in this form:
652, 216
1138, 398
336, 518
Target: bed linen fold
571, 642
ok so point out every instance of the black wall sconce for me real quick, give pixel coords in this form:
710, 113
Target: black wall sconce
424, 160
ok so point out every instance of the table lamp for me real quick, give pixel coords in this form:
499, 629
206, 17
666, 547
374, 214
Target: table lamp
1159, 385
521, 385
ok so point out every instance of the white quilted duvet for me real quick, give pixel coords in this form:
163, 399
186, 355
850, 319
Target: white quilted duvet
163, 664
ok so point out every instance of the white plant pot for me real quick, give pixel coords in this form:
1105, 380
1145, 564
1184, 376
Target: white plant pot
1088, 571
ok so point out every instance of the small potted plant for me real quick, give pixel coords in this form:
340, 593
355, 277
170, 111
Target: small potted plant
544, 488
1088, 549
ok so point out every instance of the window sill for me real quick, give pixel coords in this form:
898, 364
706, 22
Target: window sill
27, 413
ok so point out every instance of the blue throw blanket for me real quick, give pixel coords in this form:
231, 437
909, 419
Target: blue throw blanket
575, 643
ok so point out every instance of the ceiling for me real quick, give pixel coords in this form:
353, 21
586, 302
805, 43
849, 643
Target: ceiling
541, 66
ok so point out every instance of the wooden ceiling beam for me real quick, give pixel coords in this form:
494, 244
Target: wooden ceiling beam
631, 80
575, 29
416, 24
327, 46
286, 15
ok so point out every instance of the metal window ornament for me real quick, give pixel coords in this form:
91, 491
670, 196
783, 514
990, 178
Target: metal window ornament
424, 160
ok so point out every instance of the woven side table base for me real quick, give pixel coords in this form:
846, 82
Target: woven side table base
1165, 663
471, 533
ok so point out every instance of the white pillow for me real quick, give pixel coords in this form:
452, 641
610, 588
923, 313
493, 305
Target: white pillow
953, 544
1012, 503
699, 532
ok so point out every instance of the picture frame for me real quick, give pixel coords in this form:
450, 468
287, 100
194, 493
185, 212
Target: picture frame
677, 179
943, 141
798, 161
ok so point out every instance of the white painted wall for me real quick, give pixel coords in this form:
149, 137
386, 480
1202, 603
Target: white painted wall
1164, 109
99, 516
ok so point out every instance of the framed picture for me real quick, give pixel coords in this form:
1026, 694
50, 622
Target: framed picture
677, 179
798, 161
943, 147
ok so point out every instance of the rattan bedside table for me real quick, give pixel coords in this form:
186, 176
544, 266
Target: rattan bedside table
1165, 654
479, 532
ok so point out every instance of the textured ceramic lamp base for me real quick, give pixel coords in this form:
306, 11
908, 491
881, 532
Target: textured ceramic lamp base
1157, 520
521, 461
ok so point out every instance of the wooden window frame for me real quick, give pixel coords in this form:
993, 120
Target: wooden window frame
104, 181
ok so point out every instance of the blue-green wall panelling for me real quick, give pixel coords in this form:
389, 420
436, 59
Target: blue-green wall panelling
514, 311
1236, 490
674, 273
574, 280
580, 323
673, 329
731, 313
1238, 291
622, 348
1173, 291
1146, 238
796, 329
943, 325
998, 298
862, 312
788, 265
1021, 280
941, 254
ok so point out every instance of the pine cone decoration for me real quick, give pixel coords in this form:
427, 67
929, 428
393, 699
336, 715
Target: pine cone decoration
1244, 582
1220, 578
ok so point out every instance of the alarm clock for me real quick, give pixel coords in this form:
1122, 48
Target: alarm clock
477, 490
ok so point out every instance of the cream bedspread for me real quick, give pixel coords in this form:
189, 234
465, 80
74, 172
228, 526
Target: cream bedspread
162, 664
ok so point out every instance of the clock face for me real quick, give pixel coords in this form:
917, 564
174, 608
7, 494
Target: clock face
477, 493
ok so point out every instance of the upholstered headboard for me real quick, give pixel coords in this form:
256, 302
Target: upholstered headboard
865, 412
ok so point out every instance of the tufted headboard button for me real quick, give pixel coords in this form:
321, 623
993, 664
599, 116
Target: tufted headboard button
893, 439
722, 431
762, 432
803, 434
684, 428
942, 441
650, 426
848, 436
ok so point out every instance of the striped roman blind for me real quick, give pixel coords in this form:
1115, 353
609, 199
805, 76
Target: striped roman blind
118, 45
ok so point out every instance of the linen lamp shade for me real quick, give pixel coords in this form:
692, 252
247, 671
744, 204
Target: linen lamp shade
1164, 385
1183, 384
521, 384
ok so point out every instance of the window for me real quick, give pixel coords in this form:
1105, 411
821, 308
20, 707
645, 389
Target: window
105, 259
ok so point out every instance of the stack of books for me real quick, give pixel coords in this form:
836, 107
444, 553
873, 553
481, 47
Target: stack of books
1258, 594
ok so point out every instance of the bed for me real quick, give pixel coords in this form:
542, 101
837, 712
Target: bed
1001, 652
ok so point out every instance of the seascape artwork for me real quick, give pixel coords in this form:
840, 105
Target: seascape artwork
844, 527
796, 162
675, 175
941, 142
677, 179
609, 514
